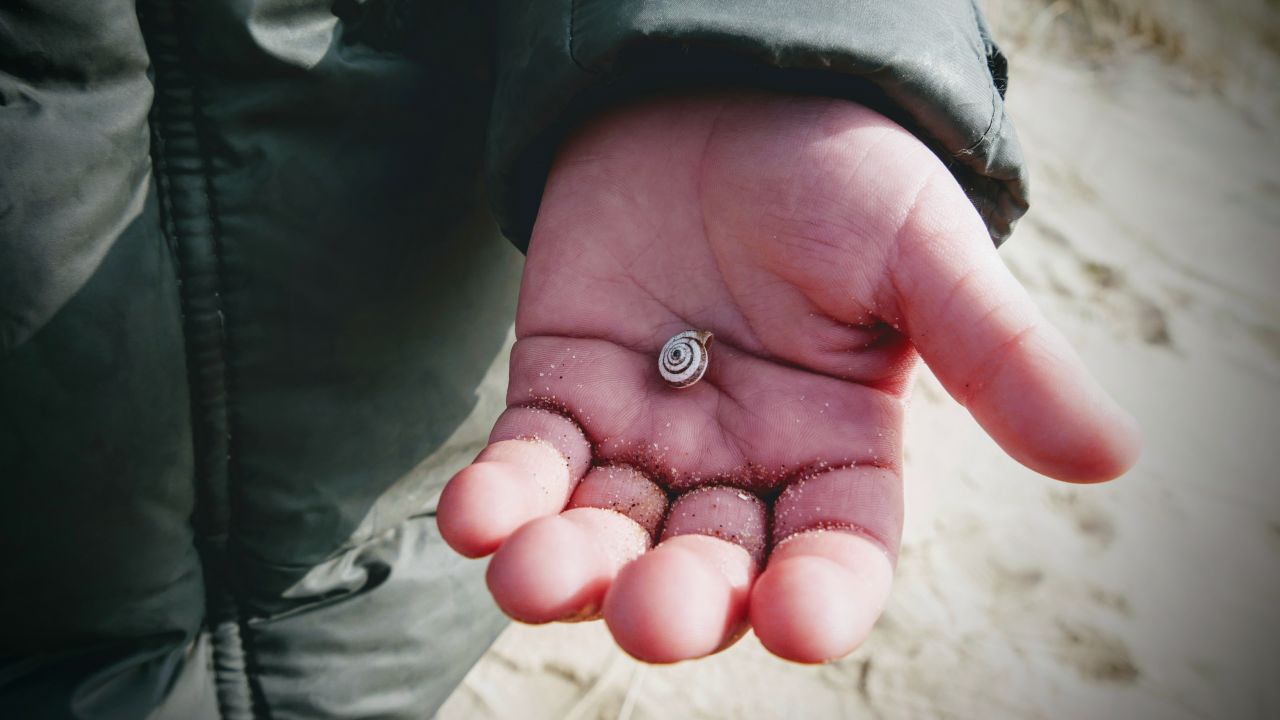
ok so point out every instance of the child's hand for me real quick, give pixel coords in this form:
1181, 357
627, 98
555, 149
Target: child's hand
824, 246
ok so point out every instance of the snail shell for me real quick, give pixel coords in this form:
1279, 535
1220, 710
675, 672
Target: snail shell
683, 359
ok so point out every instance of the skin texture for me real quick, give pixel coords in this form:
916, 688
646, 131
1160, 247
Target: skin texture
828, 250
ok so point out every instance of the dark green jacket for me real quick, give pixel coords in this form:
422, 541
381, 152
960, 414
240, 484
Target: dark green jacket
250, 282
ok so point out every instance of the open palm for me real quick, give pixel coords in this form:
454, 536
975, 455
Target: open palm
827, 249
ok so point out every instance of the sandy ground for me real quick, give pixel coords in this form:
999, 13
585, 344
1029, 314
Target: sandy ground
1153, 243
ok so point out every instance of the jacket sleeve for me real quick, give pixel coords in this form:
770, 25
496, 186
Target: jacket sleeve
928, 64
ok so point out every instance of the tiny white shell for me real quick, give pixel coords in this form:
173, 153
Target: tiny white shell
684, 358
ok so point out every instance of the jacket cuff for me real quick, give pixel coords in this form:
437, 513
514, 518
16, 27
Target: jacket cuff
930, 65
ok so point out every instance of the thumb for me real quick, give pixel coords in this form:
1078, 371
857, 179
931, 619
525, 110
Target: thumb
978, 330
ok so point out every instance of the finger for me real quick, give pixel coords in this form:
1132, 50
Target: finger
830, 572
688, 597
730, 514
820, 595
527, 471
559, 567
995, 353
626, 491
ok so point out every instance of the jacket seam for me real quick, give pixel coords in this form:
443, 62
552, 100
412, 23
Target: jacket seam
569, 32
200, 125
204, 320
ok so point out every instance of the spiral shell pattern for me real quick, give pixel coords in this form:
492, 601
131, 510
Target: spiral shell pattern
683, 359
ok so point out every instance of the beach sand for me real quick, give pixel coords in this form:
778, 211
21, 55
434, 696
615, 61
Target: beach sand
1153, 243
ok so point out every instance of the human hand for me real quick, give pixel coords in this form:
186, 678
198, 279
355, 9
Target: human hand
828, 250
